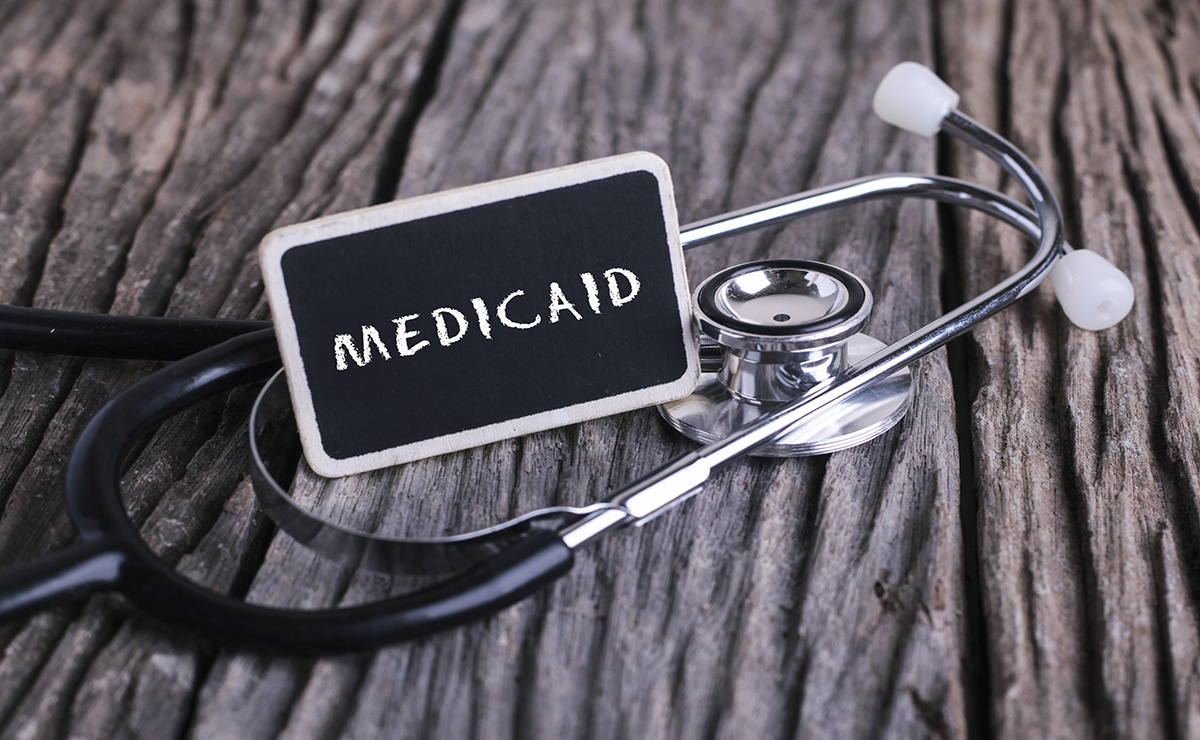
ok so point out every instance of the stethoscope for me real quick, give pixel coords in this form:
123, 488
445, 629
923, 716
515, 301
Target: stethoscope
787, 371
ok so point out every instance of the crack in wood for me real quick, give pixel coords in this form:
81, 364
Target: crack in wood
391, 170
1166, 678
1187, 186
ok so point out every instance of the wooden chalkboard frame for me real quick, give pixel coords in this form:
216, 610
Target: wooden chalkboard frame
323, 440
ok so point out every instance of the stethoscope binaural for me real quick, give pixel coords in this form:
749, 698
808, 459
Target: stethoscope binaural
787, 371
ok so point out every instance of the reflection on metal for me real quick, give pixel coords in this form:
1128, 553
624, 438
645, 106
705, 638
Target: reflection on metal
785, 327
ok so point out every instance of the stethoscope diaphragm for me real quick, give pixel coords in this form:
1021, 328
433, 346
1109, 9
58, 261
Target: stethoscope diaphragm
784, 327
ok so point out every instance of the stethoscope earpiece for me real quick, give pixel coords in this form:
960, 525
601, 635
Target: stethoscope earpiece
912, 97
784, 327
1093, 293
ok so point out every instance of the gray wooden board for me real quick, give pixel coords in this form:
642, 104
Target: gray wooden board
1046, 587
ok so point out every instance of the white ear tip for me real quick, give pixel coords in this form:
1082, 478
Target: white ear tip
913, 98
1093, 293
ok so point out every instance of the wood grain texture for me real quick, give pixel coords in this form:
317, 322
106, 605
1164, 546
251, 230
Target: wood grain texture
1046, 584
1085, 444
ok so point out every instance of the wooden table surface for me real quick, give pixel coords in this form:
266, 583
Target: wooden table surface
1020, 558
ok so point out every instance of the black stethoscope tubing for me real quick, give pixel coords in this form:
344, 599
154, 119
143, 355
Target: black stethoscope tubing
111, 554
125, 337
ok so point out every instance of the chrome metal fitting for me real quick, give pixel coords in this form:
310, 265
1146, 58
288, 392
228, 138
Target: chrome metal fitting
786, 326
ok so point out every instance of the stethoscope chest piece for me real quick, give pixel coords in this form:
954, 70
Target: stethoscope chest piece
783, 327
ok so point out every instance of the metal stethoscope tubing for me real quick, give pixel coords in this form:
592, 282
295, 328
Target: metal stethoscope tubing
648, 497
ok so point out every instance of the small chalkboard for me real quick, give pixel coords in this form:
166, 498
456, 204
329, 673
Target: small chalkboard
460, 318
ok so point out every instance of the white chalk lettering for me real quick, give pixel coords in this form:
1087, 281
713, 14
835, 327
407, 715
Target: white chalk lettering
452, 325
439, 319
502, 313
403, 335
559, 303
485, 325
614, 292
593, 291
344, 343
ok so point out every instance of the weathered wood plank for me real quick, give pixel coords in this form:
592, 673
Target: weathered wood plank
146, 147
1086, 448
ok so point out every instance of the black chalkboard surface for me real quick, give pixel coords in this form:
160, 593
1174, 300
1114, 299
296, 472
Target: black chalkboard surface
451, 320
